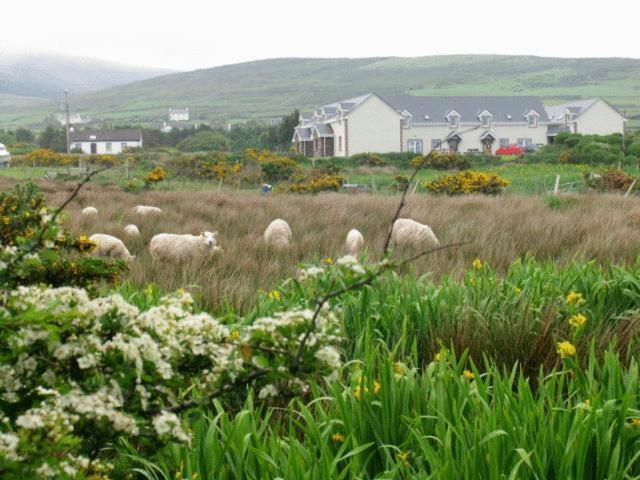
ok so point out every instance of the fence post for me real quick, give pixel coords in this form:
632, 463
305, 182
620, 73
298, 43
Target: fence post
630, 188
415, 187
556, 189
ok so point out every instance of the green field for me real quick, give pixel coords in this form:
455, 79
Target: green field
271, 88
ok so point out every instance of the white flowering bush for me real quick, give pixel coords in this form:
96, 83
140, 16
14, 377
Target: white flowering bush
77, 373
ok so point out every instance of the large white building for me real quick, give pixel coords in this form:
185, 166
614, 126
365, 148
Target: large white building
371, 123
178, 114
593, 116
104, 142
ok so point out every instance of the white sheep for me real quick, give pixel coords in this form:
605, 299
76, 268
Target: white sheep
409, 232
110, 246
278, 234
131, 231
178, 248
145, 210
90, 213
354, 242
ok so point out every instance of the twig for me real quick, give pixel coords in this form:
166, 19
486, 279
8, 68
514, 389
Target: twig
385, 250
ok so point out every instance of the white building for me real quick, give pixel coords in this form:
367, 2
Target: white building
370, 123
593, 116
178, 114
105, 142
74, 119
5, 156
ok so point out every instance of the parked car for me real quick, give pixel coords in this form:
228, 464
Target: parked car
5, 156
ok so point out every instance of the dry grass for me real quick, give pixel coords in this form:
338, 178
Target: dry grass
500, 229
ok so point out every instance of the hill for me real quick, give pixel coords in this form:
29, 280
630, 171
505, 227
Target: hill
268, 88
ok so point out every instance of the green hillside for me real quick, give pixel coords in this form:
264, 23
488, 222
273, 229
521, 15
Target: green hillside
269, 88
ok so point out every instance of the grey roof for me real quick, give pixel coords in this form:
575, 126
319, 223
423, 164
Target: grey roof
349, 103
510, 109
556, 112
304, 133
553, 130
106, 136
323, 129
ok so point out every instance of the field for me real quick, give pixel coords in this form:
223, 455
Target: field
514, 355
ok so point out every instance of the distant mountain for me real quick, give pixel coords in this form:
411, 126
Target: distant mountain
268, 88
47, 76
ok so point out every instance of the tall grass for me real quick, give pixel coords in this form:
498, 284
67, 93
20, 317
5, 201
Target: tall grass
605, 228
436, 424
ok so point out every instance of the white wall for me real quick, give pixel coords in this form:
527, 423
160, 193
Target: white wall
470, 135
178, 117
339, 129
373, 127
600, 119
116, 147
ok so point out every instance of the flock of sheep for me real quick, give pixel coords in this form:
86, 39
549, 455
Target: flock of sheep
182, 247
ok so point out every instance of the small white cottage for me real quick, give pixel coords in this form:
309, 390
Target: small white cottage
104, 142
5, 156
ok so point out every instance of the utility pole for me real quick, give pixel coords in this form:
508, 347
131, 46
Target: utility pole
67, 119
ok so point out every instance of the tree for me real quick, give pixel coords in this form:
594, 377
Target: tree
54, 139
205, 141
286, 127
24, 135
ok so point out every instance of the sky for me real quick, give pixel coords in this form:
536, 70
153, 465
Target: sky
191, 34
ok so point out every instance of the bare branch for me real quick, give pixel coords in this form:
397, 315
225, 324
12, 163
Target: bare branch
387, 242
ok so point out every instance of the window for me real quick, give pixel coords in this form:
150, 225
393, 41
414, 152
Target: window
340, 143
453, 121
107, 146
486, 120
123, 146
436, 144
533, 120
504, 142
77, 146
414, 146
523, 142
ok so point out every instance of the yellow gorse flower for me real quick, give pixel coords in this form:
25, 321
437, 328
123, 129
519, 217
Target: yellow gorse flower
328, 261
234, 335
477, 264
566, 349
578, 320
518, 290
574, 298
376, 387
337, 437
635, 422
403, 457
468, 374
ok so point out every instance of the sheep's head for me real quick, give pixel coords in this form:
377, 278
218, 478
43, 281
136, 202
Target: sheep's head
209, 238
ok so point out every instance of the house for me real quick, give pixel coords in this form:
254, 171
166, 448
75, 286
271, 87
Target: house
5, 156
74, 119
104, 142
593, 116
420, 124
178, 114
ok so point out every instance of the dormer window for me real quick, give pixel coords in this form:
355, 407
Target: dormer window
485, 119
532, 118
454, 119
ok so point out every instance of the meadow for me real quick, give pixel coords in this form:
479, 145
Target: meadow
514, 355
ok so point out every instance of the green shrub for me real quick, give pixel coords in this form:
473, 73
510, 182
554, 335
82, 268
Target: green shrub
204, 141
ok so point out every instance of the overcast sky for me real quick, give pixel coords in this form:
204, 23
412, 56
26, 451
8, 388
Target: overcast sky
189, 34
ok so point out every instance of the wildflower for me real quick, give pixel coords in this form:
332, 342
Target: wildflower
566, 349
404, 458
468, 374
337, 437
328, 261
518, 290
359, 391
441, 355
235, 335
635, 422
577, 321
398, 368
274, 295
477, 264
376, 387
574, 297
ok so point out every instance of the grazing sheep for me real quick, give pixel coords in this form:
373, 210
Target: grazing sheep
131, 231
409, 232
354, 243
145, 210
90, 213
278, 234
109, 246
178, 248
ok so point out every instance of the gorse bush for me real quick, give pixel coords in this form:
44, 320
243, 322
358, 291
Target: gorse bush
315, 182
467, 182
610, 180
441, 161
155, 176
35, 250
